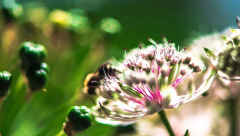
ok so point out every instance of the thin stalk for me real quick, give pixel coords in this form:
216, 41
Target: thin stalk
166, 123
232, 104
233, 116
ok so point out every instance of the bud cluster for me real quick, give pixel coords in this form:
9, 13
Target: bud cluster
32, 56
78, 120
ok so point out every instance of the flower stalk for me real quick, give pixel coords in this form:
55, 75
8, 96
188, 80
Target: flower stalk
233, 116
163, 116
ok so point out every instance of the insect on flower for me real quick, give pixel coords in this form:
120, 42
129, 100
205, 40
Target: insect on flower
148, 84
92, 81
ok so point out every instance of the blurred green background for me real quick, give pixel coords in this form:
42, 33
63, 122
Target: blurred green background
80, 35
141, 19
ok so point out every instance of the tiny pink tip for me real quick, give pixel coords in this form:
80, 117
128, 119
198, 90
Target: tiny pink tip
185, 48
169, 41
124, 48
140, 47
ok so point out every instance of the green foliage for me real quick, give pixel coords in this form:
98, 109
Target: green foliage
71, 55
211, 54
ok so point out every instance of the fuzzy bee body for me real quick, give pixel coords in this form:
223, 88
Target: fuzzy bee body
93, 80
91, 84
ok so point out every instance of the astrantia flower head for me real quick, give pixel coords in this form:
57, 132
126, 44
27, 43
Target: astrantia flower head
221, 50
148, 83
227, 60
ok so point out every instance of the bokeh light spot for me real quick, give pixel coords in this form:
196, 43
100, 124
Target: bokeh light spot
78, 20
110, 25
40, 12
60, 17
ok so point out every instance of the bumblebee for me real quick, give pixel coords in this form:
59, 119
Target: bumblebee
93, 80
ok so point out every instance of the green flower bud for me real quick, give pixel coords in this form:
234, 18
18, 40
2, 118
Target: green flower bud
31, 54
5, 82
81, 117
37, 79
45, 67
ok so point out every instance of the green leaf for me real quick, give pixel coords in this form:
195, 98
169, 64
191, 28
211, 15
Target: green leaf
224, 38
129, 90
211, 54
161, 82
227, 41
104, 110
173, 73
186, 133
191, 88
233, 30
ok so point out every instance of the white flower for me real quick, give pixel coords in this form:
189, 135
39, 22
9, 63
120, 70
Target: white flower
227, 59
148, 84
217, 44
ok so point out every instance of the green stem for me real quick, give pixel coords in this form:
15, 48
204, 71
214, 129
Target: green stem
233, 116
166, 123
